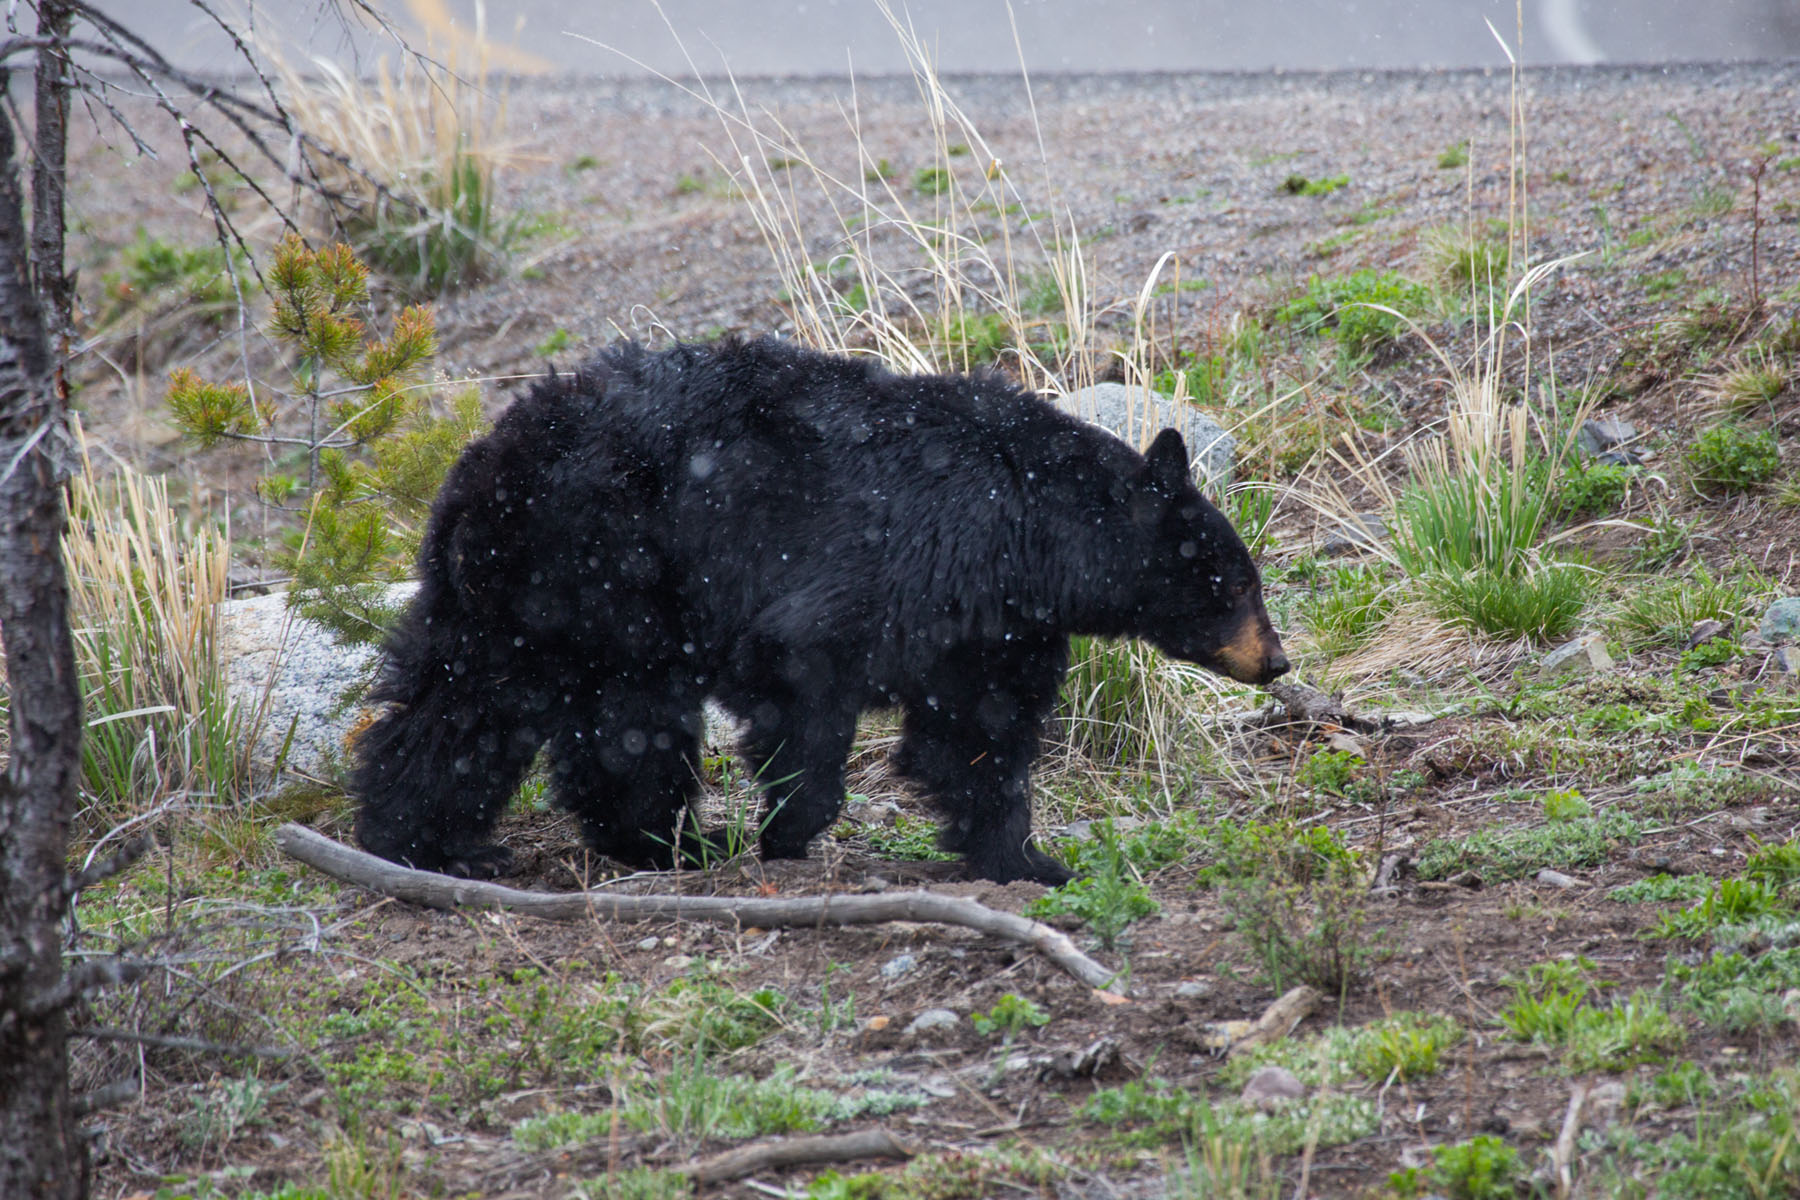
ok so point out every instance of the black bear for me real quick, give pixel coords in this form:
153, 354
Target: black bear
799, 536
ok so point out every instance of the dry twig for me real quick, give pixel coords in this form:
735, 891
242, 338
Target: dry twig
441, 891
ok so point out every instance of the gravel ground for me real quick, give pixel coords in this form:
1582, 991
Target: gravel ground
634, 228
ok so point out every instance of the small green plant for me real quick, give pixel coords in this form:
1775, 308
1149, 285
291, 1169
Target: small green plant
1011, 1015
1501, 854
1544, 604
1456, 154
555, 344
1666, 608
1482, 1168
1299, 185
1753, 382
158, 274
1566, 805
1733, 458
931, 181
912, 838
1107, 899
1328, 771
1591, 488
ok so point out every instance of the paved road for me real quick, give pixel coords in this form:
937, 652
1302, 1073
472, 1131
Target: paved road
823, 37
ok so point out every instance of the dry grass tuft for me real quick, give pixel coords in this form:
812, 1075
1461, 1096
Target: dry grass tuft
429, 220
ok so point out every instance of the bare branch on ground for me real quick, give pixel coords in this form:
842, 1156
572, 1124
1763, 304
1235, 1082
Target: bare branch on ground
441, 891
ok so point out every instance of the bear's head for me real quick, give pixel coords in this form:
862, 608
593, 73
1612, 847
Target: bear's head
1199, 593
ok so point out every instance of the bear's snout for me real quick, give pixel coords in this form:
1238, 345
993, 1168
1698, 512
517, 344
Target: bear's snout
1255, 655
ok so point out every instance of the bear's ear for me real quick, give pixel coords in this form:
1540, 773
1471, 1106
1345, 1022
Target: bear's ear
1166, 463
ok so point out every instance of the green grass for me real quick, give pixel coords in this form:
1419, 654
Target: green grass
1663, 609
1343, 616
1359, 309
1499, 854
1545, 605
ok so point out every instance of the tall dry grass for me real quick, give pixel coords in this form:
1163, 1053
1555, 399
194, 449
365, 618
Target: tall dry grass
427, 143
144, 590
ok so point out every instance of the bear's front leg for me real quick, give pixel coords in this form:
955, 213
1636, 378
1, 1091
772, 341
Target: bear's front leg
970, 743
797, 746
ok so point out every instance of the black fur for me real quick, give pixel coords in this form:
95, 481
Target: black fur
800, 537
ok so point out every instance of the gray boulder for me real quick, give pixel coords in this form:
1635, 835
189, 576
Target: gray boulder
1137, 415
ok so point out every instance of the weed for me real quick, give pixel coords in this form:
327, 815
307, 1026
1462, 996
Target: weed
1736, 992
1304, 934
1665, 609
1754, 381
1662, 889
637, 1183
159, 277
431, 221
1107, 899
1011, 1015
910, 838
555, 344
1407, 1046
1733, 458
1748, 1149
1476, 265
1456, 154
1482, 1168
1328, 771
144, 589
1153, 1112
1730, 902
1566, 805
1553, 1005
931, 181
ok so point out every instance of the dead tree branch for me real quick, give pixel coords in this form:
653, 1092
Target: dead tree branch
441, 891
798, 1152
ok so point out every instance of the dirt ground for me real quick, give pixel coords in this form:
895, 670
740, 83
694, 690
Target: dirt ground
1625, 167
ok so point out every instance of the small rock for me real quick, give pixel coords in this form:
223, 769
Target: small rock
1605, 1100
895, 967
1361, 531
933, 1023
1705, 631
1786, 659
1557, 879
1781, 623
1585, 655
1272, 1087
678, 962
877, 883
649, 943
1605, 433
1193, 989
1083, 831
1626, 457
1083, 1062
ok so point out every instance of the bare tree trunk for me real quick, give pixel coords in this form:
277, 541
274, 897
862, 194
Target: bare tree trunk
42, 1153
